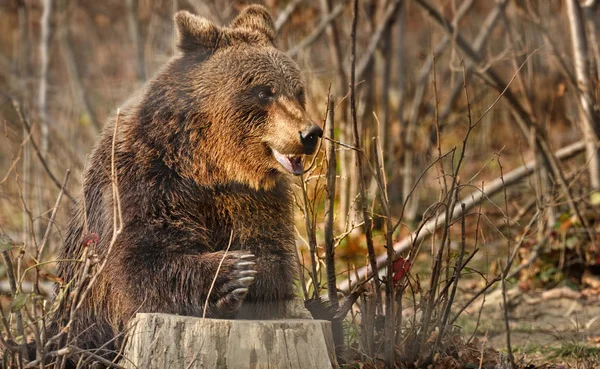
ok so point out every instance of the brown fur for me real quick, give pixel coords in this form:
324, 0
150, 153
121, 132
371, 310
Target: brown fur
194, 164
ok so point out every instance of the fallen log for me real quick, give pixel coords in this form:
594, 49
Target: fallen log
473, 199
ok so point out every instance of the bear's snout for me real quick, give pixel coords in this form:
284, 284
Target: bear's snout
310, 137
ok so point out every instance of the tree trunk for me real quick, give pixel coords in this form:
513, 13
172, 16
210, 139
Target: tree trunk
172, 341
589, 123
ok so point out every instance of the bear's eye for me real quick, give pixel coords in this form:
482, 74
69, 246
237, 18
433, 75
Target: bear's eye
301, 97
265, 92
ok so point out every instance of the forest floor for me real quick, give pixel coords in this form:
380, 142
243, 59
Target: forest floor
548, 329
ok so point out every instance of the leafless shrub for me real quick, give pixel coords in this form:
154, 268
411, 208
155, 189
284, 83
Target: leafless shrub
422, 169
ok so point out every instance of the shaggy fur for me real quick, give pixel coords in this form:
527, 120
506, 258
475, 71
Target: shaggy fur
195, 164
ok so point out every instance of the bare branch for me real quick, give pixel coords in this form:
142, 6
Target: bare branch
523, 118
314, 35
40, 156
384, 24
359, 156
285, 14
329, 207
473, 199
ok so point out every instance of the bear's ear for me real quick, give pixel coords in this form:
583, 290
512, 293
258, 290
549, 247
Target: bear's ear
256, 18
196, 33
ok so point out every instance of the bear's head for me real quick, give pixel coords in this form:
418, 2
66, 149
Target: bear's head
239, 102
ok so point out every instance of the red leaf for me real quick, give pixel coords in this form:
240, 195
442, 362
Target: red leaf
400, 267
90, 239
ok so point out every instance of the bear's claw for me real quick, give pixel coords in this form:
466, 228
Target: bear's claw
245, 270
246, 280
246, 273
243, 277
231, 302
240, 292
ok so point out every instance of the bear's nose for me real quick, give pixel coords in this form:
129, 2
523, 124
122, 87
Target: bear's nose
310, 137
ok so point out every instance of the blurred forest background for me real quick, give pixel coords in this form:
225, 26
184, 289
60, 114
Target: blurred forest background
490, 104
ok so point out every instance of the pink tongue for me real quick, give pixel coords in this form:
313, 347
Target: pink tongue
292, 165
297, 167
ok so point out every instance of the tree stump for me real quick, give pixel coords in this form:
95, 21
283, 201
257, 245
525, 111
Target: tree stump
172, 341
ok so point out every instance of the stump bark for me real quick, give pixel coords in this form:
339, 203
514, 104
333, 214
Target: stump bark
172, 341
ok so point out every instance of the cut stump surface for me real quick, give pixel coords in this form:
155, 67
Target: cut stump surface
172, 341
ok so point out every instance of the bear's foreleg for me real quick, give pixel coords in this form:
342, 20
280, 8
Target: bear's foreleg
179, 283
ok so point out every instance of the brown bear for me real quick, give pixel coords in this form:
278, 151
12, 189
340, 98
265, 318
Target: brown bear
202, 157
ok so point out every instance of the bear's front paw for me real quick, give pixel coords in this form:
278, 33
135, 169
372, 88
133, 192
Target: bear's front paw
237, 288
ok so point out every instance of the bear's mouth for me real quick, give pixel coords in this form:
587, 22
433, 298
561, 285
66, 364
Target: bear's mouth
291, 163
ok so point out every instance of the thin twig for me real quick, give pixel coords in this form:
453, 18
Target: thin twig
73, 68
40, 156
384, 24
511, 358
523, 118
359, 157
39, 251
66, 351
309, 221
212, 284
133, 25
390, 316
15, 289
471, 200
452, 198
285, 14
53, 215
499, 276
457, 273
314, 35
117, 229
329, 208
